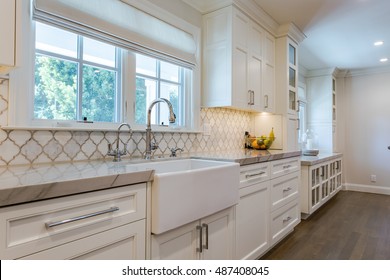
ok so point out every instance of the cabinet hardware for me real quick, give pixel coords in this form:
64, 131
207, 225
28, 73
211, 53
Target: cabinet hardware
200, 249
286, 166
254, 174
266, 101
206, 226
53, 224
250, 97
287, 190
287, 219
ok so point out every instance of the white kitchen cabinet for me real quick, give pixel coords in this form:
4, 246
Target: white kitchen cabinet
252, 212
108, 224
268, 209
235, 67
285, 209
7, 35
322, 107
210, 238
320, 182
286, 75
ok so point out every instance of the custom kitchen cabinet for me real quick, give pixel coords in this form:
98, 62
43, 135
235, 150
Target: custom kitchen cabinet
320, 182
322, 109
268, 209
285, 209
106, 224
7, 35
238, 61
210, 238
252, 212
286, 74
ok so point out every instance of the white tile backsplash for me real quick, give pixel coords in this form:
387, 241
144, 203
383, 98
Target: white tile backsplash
227, 127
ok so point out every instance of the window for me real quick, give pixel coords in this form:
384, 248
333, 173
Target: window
156, 79
76, 77
73, 69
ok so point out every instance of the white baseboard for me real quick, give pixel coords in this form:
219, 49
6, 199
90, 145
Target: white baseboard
367, 188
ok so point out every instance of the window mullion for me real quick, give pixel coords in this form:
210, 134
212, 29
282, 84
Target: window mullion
158, 66
79, 100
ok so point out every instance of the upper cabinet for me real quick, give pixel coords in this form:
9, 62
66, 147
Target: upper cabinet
322, 87
7, 35
287, 76
238, 61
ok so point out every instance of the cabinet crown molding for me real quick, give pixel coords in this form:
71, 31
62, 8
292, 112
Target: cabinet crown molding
249, 7
291, 30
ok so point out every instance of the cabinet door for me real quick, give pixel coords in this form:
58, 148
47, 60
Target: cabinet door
255, 46
292, 134
218, 233
242, 97
252, 224
122, 243
7, 34
178, 244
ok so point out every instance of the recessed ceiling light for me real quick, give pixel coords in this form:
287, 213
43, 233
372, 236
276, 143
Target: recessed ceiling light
378, 43
384, 59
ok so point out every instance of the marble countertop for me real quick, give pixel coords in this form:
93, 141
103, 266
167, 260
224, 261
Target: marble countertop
247, 156
27, 183
320, 158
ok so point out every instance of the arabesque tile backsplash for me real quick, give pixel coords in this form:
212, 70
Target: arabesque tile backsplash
227, 129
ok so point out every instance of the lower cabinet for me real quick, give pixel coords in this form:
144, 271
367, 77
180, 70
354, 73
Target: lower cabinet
210, 238
320, 182
252, 214
268, 209
106, 224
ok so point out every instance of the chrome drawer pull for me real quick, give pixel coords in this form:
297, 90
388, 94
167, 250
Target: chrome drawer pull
287, 219
200, 249
53, 224
286, 166
287, 190
254, 174
206, 226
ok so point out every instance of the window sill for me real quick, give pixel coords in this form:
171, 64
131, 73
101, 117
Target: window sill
101, 129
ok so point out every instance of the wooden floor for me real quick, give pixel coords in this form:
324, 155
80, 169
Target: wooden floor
352, 225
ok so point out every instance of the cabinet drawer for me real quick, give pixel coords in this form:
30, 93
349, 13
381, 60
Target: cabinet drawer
283, 220
284, 189
37, 226
122, 243
285, 166
254, 173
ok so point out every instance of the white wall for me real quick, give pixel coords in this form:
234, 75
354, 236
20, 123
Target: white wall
366, 115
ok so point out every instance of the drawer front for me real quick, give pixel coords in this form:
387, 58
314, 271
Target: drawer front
37, 226
285, 166
284, 220
121, 243
254, 173
284, 189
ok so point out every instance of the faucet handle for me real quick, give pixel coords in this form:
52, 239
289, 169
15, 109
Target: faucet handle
153, 146
174, 150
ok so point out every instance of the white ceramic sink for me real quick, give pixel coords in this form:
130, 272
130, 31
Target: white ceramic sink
186, 190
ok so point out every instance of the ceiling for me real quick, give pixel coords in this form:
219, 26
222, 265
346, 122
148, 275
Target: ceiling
340, 33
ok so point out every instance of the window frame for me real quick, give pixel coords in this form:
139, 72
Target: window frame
20, 113
81, 62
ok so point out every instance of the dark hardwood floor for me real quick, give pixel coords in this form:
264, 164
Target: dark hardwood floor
352, 225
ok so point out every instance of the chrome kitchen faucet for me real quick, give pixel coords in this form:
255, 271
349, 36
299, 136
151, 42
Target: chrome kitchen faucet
117, 153
172, 119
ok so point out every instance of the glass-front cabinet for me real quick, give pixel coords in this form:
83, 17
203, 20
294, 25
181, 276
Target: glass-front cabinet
292, 78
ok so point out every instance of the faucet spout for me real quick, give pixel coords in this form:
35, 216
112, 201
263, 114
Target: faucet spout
172, 119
